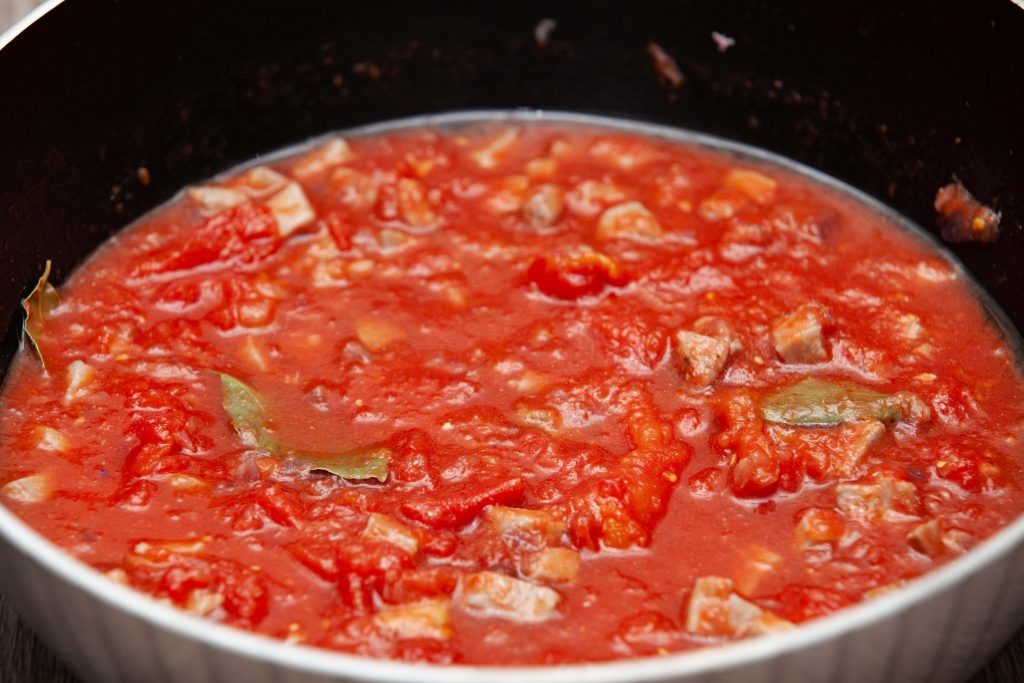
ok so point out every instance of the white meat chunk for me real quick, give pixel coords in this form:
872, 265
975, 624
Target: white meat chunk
414, 204
715, 610
291, 209
419, 620
212, 199
869, 502
927, 539
798, 336
80, 376
757, 186
35, 488
855, 439
389, 530
628, 220
503, 519
332, 153
554, 565
506, 597
491, 154
261, 181
701, 358
543, 205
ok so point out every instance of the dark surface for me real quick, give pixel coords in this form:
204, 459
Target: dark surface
895, 100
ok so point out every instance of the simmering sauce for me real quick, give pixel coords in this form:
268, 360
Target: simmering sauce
517, 393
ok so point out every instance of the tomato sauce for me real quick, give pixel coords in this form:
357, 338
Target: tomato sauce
513, 394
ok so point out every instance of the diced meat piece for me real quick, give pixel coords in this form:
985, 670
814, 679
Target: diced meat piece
35, 488
554, 565
962, 218
543, 206
958, 541
717, 326
701, 358
506, 597
819, 525
722, 204
590, 196
212, 199
927, 539
413, 204
756, 562
421, 620
855, 439
629, 220
80, 376
291, 209
261, 181
333, 153
203, 602
715, 610
508, 195
757, 186
908, 327
541, 169
868, 502
50, 439
625, 155
504, 519
389, 530
798, 337
376, 334
491, 154
353, 188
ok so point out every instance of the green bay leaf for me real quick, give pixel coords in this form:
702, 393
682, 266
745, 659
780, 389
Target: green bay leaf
819, 402
38, 305
249, 419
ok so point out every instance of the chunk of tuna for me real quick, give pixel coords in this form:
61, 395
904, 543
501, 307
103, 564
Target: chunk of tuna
590, 196
543, 205
798, 337
34, 488
415, 207
715, 610
701, 358
717, 326
629, 220
868, 502
376, 334
491, 154
261, 181
927, 539
427, 619
757, 186
855, 439
80, 376
819, 525
334, 152
212, 199
554, 565
504, 519
505, 597
389, 530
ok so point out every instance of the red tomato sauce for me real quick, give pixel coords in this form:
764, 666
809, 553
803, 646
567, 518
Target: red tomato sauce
514, 394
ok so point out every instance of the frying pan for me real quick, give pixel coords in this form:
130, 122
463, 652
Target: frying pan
110, 107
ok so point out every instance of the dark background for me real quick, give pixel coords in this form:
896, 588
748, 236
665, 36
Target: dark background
896, 98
